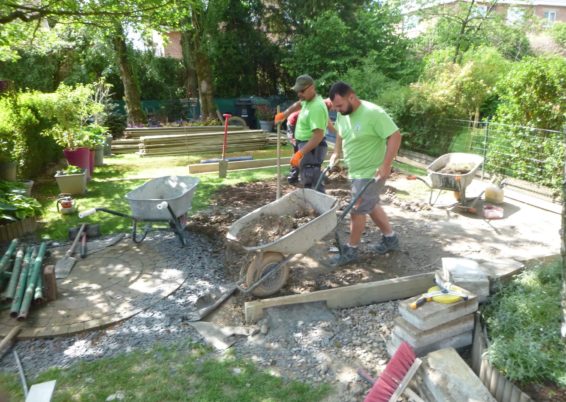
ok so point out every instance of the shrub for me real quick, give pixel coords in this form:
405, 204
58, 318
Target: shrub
22, 122
524, 325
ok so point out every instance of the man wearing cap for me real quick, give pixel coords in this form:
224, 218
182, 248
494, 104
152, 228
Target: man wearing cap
309, 131
370, 140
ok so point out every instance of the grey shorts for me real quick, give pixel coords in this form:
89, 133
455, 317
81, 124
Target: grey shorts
370, 197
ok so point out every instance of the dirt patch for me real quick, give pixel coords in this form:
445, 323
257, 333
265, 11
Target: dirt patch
427, 233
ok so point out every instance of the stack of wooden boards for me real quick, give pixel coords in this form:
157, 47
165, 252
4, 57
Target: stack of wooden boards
152, 141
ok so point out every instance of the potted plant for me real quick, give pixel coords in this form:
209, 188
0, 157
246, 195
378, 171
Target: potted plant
71, 109
71, 180
96, 139
17, 211
265, 115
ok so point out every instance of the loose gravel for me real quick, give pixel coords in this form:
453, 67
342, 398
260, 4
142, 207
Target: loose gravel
323, 351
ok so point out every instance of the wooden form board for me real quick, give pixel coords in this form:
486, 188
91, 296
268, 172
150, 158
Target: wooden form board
349, 296
235, 165
144, 131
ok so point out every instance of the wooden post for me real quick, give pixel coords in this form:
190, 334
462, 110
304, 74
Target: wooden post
278, 195
50, 283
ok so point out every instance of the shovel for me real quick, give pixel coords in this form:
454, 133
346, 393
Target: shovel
223, 164
64, 266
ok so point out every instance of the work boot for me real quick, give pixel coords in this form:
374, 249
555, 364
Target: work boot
387, 243
348, 255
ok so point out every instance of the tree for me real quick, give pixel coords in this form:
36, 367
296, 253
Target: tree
109, 18
466, 24
196, 37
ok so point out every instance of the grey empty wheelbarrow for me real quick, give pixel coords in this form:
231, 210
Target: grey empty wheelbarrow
166, 198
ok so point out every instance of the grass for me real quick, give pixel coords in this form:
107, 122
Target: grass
124, 173
181, 372
524, 326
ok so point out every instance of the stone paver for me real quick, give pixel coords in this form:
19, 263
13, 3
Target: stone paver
106, 287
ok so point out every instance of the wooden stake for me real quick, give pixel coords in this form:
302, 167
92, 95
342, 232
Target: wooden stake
278, 157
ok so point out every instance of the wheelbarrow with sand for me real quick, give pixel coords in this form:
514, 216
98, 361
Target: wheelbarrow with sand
452, 172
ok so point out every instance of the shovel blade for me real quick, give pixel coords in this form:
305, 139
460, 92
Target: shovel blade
207, 303
64, 266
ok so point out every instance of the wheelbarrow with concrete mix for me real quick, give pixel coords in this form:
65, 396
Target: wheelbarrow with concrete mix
167, 198
452, 172
268, 269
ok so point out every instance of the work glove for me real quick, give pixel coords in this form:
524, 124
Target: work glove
296, 159
279, 118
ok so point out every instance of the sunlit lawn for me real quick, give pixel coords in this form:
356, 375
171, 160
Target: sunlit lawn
123, 173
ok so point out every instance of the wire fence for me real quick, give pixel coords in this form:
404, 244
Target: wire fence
531, 154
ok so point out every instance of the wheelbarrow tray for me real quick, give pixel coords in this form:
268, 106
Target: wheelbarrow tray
178, 191
301, 239
449, 181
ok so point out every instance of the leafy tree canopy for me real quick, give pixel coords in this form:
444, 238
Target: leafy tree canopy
533, 93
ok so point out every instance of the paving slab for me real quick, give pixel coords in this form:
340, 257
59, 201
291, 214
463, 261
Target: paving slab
419, 338
447, 378
456, 341
109, 286
433, 314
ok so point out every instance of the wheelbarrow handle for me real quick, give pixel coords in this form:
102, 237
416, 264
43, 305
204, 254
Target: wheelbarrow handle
86, 213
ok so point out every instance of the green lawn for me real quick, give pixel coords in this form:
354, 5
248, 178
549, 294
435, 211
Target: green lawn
123, 173
181, 372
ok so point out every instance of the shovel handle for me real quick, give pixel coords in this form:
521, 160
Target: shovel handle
83, 245
72, 249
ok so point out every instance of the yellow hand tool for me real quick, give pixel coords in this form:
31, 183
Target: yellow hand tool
448, 295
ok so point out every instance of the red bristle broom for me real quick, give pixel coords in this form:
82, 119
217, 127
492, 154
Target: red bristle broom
396, 376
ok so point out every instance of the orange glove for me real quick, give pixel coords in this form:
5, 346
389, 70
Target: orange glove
296, 159
279, 118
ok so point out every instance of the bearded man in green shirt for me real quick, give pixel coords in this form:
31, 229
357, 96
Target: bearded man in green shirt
309, 131
370, 140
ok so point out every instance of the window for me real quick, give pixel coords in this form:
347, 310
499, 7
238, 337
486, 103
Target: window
515, 15
550, 16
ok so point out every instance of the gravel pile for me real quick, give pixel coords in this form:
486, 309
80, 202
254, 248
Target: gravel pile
323, 351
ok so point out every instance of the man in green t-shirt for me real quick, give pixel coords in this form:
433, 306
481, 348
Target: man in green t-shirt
370, 140
309, 131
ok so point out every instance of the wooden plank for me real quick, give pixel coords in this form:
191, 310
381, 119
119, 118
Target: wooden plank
9, 339
349, 296
50, 283
235, 165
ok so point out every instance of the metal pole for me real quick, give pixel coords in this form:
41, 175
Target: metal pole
486, 136
278, 195
22, 375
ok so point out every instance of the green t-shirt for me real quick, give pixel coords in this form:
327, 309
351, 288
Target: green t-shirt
364, 139
313, 115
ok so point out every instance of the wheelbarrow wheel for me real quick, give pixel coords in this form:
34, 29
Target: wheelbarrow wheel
262, 265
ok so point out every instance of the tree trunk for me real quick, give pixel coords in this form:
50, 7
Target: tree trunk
136, 115
206, 93
202, 64
563, 236
191, 82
